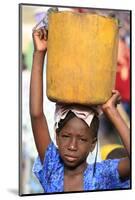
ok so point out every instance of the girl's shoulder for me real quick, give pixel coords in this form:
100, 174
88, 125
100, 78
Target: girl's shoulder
104, 175
51, 170
103, 170
107, 166
51, 157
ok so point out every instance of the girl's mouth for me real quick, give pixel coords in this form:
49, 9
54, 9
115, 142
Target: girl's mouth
70, 158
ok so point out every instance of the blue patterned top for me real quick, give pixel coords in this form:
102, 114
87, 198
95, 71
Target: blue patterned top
51, 173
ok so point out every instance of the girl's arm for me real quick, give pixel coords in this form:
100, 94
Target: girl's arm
38, 119
110, 110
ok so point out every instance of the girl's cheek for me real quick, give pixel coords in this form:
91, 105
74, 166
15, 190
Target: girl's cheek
65, 141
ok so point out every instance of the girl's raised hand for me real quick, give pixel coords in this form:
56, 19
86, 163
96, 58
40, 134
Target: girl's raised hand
40, 39
113, 101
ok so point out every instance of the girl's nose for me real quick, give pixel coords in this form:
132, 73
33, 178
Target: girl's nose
73, 144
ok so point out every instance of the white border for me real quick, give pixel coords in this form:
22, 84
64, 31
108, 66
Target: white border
9, 98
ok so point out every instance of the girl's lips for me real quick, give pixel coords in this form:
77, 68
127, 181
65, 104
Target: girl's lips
70, 158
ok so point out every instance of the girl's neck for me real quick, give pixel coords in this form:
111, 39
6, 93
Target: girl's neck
75, 171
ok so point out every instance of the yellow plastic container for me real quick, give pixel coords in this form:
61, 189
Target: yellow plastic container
82, 57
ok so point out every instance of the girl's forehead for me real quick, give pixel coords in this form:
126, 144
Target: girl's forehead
76, 125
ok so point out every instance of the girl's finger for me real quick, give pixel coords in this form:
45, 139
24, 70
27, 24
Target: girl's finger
41, 34
118, 100
115, 92
38, 33
35, 33
119, 97
45, 33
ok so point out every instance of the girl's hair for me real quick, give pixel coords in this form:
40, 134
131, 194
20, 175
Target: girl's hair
94, 124
63, 122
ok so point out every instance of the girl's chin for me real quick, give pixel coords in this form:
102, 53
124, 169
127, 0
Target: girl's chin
70, 164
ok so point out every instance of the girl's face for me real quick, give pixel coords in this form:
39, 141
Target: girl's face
75, 141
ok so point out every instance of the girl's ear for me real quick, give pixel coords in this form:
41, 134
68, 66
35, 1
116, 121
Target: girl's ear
57, 139
93, 144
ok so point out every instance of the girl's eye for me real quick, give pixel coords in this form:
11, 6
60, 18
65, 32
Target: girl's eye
83, 140
65, 136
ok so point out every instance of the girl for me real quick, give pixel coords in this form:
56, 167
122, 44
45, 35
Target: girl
64, 168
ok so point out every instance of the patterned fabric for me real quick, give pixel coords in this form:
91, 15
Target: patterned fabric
51, 173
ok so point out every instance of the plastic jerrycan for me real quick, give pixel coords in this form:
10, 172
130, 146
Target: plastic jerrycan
81, 57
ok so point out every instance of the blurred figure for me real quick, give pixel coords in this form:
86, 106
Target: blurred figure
84, 10
25, 160
24, 66
115, 151
112, 151
123, 74
28, 150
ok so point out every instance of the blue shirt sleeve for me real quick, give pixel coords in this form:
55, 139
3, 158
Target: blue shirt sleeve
108, 176
44, 171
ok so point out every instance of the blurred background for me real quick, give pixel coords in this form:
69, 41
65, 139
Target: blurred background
109, 141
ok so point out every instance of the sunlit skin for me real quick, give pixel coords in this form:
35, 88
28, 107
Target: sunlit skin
75, 141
